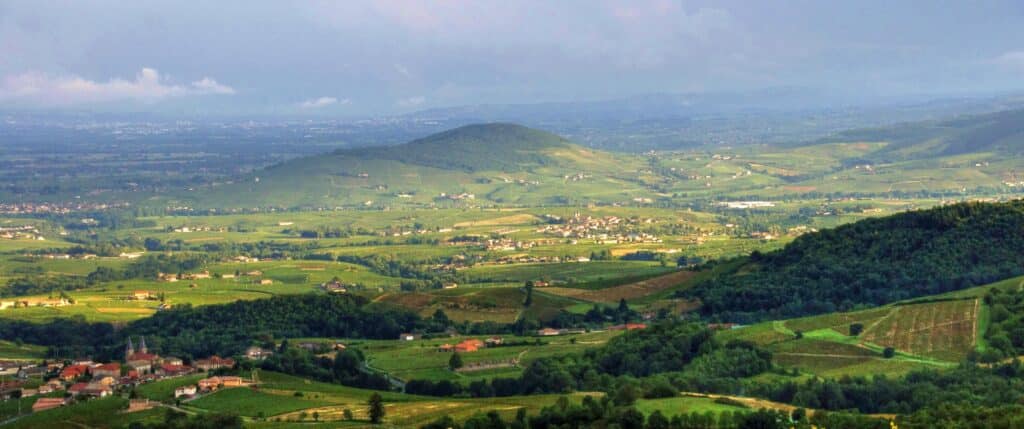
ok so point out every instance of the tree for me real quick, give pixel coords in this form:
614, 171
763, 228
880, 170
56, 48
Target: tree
657, 421
376, 408
856, 329
889, 352
347, 414
529, 294
455, 362
799, 334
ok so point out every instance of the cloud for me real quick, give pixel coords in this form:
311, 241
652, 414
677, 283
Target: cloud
1013, 60
148, 86
411, 101
316, 103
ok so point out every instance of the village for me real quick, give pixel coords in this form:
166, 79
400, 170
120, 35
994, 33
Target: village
603, 230
22, 232
82, 379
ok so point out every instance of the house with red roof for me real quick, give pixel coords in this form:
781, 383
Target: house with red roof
77, 388
72, 372
171, 370
107, 370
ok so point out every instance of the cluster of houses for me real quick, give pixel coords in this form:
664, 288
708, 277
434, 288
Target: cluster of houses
470, 345
551, 332
457, 197
605, 230
335, 286
34, 302
60, 208
576, 177
744, 205
196, 228
84, 378
500, 244
22, 232
171, 277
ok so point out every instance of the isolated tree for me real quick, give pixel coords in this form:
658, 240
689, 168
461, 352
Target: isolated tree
799, 334
529, 294
347, 414
376, 408
856, 329
888, 352
455, 362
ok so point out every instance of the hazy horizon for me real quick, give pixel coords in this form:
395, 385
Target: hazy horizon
350, 59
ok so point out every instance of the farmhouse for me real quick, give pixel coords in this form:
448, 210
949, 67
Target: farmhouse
408, 337
214, 383
186, 391
197, 276
257, 353
266, 282
214, 362
449, 285
142, 294
334, 286
167, 277
548, 332
494, 341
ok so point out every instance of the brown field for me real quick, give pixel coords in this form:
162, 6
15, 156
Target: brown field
126, 310
497, 305
628, 292
945, 330
799, 188
518, 219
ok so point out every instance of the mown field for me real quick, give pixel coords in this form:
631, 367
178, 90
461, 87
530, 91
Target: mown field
421, 359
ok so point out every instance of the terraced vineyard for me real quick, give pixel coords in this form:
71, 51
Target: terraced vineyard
945, 330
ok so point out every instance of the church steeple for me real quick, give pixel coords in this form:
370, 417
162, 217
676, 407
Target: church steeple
129, 350
142, 345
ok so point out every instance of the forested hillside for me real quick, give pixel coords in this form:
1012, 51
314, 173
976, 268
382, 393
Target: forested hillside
873, 262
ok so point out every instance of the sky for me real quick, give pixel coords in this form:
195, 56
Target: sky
356, 58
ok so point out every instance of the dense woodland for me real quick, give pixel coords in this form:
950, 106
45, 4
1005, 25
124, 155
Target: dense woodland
1005, 333
872, 262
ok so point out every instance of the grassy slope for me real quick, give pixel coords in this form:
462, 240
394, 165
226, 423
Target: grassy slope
933, 332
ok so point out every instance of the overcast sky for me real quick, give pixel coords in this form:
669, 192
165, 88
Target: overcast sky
355, 58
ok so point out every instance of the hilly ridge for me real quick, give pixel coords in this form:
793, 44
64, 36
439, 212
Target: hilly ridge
1001, 132
873, 262
494, 163
478, 147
